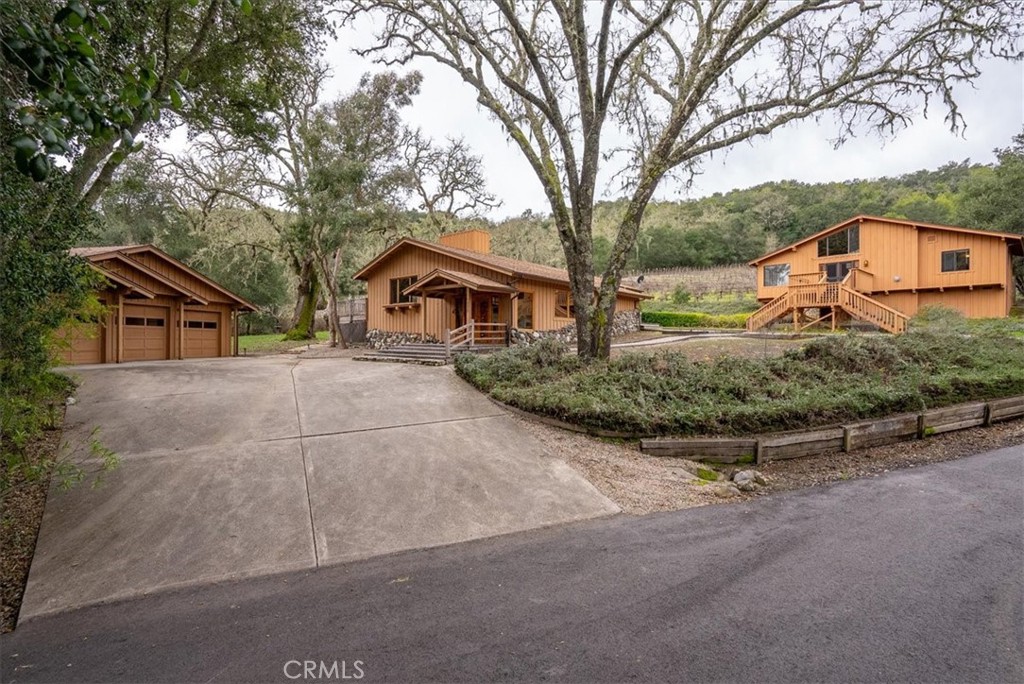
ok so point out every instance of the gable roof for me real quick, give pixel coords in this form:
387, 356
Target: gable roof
470, 280
1016, 241
504, 265
122, 281
121, 253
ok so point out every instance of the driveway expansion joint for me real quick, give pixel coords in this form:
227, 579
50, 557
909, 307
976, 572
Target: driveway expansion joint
305, 465
383, 427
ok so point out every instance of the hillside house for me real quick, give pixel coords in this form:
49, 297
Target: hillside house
882, 271
426, 291
157, 308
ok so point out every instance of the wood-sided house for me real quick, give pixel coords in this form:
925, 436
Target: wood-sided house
157, 308
426, 289
883, 270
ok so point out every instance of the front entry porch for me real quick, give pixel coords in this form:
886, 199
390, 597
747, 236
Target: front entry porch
477, 317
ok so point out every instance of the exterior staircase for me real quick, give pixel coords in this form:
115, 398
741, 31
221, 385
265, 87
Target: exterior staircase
827, 298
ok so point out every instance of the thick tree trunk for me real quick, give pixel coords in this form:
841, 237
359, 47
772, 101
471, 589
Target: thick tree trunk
305, 306
333, 320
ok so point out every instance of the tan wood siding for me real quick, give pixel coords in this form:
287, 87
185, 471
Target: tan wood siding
415, 262
165, 268
903, 266
980, 303
126, 271
987, 259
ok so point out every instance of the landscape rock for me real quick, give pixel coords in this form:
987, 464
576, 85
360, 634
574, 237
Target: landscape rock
725, 490
748, 480
682, 472
743, 476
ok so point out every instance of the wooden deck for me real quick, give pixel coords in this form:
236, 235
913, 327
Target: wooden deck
829, 301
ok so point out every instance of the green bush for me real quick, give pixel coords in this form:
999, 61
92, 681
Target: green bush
827, 381
680, 295
676, 319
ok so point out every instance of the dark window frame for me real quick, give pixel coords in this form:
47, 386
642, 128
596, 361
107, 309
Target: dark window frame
564, 306
846, 241
528, 325
395, 287
777, 281
959, 261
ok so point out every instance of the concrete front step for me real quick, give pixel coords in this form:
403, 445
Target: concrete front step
425, 354
400, 359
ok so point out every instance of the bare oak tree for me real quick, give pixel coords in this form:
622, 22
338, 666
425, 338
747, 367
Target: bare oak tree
447, 181
653, 88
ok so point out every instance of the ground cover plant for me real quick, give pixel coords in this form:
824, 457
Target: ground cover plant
830, 380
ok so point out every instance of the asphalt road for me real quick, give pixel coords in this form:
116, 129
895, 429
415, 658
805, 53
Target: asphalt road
914, 576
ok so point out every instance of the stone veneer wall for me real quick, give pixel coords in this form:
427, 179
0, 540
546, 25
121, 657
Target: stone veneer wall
625, 322
378, 339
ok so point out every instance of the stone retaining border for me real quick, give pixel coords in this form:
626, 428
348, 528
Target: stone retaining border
859, 435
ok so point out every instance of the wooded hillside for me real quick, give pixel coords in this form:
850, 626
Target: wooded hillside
725, 228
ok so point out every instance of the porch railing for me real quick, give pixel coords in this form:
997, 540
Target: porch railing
474, 333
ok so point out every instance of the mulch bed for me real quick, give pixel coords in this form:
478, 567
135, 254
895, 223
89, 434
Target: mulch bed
21, 514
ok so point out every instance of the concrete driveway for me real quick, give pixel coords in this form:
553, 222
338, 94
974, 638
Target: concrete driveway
243, 467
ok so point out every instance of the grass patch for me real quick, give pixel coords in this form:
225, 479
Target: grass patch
830, 380
274, 343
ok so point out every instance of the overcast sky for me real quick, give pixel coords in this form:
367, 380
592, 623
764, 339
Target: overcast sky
446, 107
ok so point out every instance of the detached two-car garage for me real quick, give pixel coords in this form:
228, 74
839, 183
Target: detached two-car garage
157, 308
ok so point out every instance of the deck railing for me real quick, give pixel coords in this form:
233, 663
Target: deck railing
867, 309
769, 312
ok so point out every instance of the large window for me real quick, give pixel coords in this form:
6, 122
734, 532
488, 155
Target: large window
956, 260
525, 318
776, 275
844, 242
399, 284
564, 307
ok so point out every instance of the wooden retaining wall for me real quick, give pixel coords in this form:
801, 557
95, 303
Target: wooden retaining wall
860, 435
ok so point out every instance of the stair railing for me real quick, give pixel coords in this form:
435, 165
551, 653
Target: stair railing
458, 338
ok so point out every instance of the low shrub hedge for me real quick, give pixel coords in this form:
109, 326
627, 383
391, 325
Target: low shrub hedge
827, 381
676, 319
